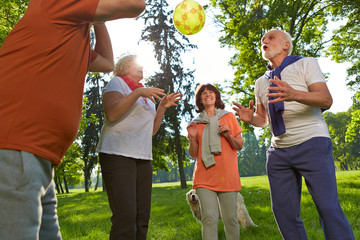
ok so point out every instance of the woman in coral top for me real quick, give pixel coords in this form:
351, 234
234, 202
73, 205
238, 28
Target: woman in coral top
214, 139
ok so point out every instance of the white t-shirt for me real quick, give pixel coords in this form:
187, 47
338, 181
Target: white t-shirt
130, 136
302, 122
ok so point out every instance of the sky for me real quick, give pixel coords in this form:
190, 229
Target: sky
210, 61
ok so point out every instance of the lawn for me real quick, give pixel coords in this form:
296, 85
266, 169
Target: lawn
87, 215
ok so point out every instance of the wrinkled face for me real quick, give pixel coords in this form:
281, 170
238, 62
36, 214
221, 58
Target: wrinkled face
208, 98
273, 43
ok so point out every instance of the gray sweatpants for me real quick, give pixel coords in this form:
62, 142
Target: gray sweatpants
27, 197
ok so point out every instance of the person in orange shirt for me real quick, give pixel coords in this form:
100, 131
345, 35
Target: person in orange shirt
214, 139
43, 64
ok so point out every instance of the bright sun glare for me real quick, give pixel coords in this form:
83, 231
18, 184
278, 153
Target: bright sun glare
146, 58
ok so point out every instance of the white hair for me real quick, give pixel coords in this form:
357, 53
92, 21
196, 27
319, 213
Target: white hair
287, 38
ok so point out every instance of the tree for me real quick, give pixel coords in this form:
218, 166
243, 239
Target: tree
252, 158
346, 42
346, 153
244, 23
168, 47
69, 172
93, 118
337, 128
10, 13
353, 129
352, 136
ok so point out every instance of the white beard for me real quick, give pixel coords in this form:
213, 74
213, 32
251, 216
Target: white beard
271, 53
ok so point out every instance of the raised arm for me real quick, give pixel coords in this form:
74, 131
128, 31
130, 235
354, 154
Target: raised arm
193, 144
259, 119
116, 105
115, 9
167, 101
104, 62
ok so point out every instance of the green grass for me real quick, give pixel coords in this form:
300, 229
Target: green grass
87, 215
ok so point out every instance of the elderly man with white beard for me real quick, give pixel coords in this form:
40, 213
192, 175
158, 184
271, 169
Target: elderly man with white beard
291, 95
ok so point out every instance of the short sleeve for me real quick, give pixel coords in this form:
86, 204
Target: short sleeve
231, 121
71, 12
313, 71
116, 84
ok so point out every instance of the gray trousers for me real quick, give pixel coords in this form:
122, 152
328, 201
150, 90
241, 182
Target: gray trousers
27, 197
209, 202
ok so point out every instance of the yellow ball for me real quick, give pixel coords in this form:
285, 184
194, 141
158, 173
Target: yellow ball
189, 17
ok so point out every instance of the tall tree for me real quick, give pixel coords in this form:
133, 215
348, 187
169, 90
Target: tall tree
352, 136
353, 129
91, 134
252, 158
244, 23
168, 46
346, 42
71, 169
346, 153
337, 129
69, 172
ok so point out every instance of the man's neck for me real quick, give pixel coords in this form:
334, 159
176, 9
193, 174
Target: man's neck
276, 61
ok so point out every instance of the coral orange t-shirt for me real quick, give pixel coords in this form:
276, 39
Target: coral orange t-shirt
43, 64
224, 175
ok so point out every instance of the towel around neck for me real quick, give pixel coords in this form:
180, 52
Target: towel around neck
211, 141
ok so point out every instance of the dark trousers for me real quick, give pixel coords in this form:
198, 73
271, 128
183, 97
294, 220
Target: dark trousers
128, 183
285, 168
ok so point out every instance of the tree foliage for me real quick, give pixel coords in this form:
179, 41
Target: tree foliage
252, 158
71, 170
93, 120
346, 41
244, 23
69, 173
10, 13
168, 46
346, 153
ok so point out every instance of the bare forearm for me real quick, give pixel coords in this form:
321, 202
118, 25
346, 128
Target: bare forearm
115, 9
104, 62
158, 118
103, 42
259, 120
193, 147
314, 99
235, 142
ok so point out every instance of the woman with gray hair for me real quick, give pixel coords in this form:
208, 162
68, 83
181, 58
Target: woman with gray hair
125, 146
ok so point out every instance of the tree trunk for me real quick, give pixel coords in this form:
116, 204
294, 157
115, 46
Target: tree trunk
179, 153
97, 181
87, 181
57, 185
66, 185
61, 188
